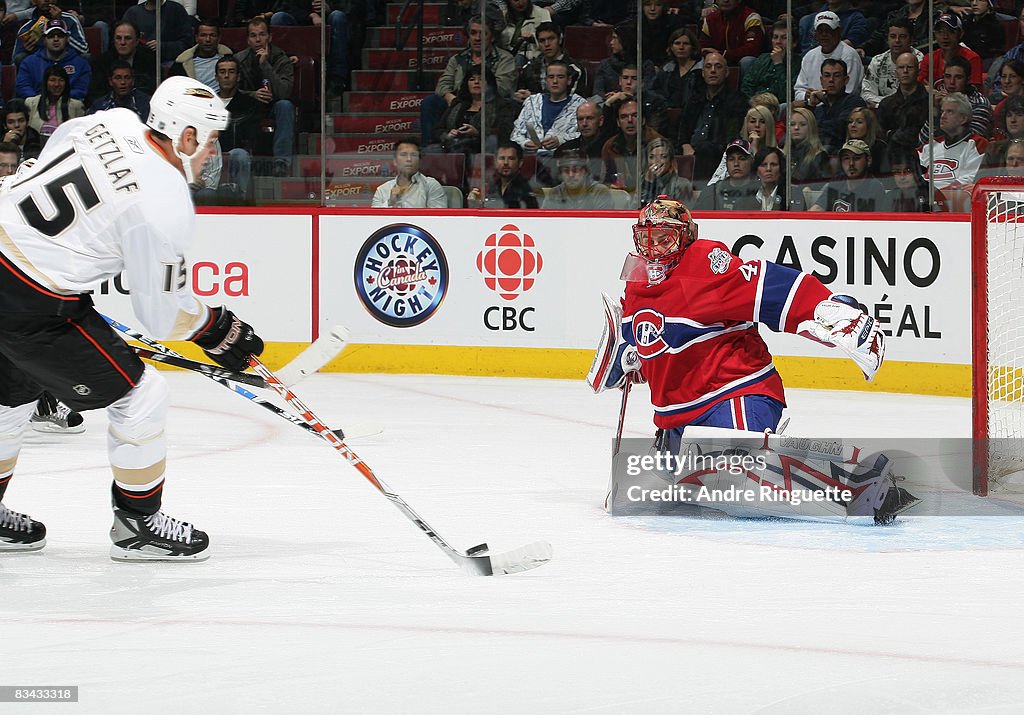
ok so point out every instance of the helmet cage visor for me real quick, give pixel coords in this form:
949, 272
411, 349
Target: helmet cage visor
658, 241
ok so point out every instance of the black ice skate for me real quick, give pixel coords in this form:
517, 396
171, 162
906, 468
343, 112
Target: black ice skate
19, 532
155, 537
52, 415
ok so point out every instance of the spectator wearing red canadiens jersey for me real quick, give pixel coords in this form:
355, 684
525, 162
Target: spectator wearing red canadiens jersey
734, 30
690, 314
948, 31
952, 160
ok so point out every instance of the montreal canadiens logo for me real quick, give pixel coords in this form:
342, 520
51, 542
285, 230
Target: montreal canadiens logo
649, 332
401, 275
509, 262
945, 168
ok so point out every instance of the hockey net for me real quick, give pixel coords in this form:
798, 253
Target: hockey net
997, 230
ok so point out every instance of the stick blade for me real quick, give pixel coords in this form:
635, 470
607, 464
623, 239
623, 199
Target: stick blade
319, 353
525, 558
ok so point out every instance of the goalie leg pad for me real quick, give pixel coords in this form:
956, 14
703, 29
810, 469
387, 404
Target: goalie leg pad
789, 482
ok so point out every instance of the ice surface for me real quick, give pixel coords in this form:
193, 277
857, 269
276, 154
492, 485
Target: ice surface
320, 597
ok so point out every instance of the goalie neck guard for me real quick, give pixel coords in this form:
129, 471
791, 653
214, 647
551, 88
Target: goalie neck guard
662, 233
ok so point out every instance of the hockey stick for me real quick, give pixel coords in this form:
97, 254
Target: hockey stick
203, 368
213, 374
474, 561
320, 352
622, 416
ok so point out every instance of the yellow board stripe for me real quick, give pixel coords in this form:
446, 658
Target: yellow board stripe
820, 373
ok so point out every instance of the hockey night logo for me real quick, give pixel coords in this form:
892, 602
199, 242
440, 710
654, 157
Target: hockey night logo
401, 275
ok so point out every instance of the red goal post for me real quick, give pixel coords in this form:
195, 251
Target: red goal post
997, 250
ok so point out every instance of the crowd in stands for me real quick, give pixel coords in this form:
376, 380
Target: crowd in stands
57, 76
841, 106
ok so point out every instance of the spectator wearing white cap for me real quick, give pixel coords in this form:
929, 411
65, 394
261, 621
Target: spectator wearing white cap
826, 32
854, 189
854, 28
948, 32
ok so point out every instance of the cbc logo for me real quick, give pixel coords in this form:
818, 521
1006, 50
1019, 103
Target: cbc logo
509, 263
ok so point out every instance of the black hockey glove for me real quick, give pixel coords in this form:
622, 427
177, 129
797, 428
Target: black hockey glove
228, 340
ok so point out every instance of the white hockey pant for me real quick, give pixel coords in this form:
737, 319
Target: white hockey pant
13, 423
136, 441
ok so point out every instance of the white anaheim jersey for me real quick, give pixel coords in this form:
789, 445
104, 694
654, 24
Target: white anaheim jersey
101, 199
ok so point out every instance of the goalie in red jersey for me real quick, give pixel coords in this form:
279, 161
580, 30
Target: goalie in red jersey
688, 326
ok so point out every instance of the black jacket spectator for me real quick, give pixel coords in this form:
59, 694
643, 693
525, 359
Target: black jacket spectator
901, 117
708, 125
174, 20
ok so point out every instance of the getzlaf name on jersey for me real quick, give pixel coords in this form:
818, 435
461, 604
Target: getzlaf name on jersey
89, 178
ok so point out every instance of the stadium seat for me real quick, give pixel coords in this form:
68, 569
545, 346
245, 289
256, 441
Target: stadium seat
8, 80
454, 196
299, 40
621, 199
94, 39
1011, 33
684, 166
587, 42
307, 79
449, 169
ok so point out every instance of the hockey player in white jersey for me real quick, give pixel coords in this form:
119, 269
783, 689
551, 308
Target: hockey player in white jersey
109, 194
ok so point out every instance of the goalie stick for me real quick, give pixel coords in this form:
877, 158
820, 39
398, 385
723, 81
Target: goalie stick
476, 560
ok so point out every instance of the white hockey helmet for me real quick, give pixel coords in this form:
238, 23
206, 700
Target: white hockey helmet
180, 102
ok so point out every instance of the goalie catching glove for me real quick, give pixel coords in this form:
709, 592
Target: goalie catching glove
839, 322
616, 361
227, 340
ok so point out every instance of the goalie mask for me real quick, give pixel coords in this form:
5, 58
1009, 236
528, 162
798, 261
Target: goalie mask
181, 102
661, 235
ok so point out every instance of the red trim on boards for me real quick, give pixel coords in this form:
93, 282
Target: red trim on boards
313, 210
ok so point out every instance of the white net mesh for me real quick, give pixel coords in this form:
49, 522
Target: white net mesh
1005, 346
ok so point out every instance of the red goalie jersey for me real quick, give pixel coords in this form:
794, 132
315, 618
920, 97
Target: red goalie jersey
696, 332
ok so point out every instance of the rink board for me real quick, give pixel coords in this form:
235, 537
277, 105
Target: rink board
518, 294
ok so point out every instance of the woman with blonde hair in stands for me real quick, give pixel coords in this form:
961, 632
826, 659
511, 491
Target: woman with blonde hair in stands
661, 174
863, 124
808, 160
758, 130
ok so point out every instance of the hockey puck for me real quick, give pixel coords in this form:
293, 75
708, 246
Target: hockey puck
477, 550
